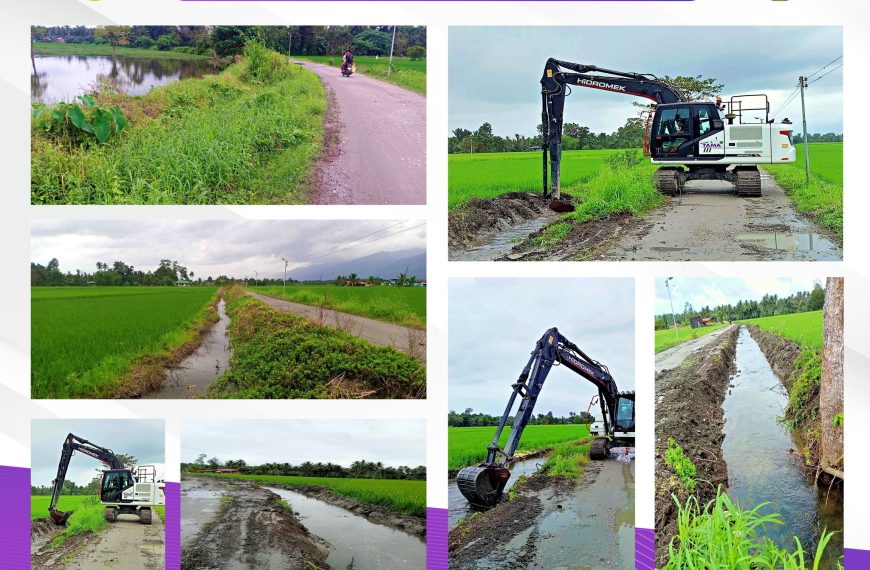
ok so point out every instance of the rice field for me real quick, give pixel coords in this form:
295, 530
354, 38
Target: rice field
404, 495
666, 338
467, 445
401, 305
803, 328
407, 73
85, 339
39, 504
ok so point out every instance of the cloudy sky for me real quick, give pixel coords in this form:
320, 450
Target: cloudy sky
393, 442
714, 291
220, 247
143, 439
495, 323
494, 72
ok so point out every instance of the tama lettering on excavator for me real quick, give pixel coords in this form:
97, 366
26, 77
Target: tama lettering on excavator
484, 484
689, 140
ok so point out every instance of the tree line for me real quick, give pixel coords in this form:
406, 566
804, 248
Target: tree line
224, 41
769, 305
470, 418
818, 137
92, 488
118, 273
360, 469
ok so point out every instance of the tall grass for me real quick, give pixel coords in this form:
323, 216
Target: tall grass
407, 73
246, 135
403, 495
803, 328
567, 460
724, 535
401, 305
85, 339
467, 445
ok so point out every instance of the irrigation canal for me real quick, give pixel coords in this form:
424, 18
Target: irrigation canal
503, 242
762, 466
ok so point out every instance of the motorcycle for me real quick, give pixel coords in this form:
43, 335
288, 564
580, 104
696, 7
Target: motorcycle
348, 70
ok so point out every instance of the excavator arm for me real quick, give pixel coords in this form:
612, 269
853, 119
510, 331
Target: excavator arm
71, 444
483, 485
555, 84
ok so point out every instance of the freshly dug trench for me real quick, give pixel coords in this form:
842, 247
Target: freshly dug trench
584, 240
781, 354
479, 218
689, 409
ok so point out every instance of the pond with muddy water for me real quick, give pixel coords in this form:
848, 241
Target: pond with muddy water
762, 463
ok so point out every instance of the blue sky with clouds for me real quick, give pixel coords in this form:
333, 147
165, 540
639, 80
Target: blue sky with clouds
714, 291
494, 72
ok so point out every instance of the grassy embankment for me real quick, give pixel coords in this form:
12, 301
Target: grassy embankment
407, 73
87, 514
822, 198
86, 340
467, 445
400, 305
403, 495
246, 135
281, 355
803, 328
666, 338
46, 48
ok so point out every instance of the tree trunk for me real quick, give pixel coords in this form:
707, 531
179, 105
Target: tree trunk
831, 391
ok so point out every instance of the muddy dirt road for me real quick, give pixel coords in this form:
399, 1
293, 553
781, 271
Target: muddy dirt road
675, 355
124, 545
406, 339
249, 529
375, 148
553, 523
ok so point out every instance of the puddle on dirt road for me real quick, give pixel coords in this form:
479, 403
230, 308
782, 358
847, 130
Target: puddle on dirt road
353, 539
501, 243
760, 467
198, 506
806, 242
457, 505
197, 371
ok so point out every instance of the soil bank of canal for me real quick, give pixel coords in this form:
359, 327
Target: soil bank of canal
762, 463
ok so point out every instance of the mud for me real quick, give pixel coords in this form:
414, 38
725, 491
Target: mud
41, 533
123, 545
476, 223
689, 408
409, 340
584, 242
250, 530
555, 523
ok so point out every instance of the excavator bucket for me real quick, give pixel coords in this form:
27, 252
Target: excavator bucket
59, 517
561, 205
483, 486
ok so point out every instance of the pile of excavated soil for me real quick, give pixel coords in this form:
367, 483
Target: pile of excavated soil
689, 409
781, 354
584, 241
481, 217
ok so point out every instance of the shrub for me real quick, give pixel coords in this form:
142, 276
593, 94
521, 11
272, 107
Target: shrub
682, 465
80, 121
167, 42
416, 52
143, 42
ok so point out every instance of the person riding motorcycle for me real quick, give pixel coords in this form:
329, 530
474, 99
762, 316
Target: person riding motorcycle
347, 62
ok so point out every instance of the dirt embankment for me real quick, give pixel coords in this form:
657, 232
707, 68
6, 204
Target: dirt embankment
376, 514
480, 218
252, 530
689, 409
584, 241
782, 354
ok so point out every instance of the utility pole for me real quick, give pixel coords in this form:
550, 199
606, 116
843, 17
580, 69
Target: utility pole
392, 44
284, 290
289, 44
256, 278
673, 317
803, 85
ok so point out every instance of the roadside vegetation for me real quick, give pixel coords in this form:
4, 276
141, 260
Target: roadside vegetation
467, 445
400, 305
406, 496
87, 517
567, 460
822, 198
407, 72
245, 135
803, 328
666, 338
281, 355
85, 340
48, 48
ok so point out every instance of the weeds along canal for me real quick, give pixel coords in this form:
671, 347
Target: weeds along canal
353, 541
195, 373
762, 463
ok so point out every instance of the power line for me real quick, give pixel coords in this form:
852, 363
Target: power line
788, 100
353, 240
357, 243
823, 75
825, 66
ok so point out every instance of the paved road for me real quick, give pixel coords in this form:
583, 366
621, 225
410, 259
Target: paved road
375, 141
406, 339
674, 356
709, 223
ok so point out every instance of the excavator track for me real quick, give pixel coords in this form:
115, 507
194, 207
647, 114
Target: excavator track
668, 181
748, 183
482, 486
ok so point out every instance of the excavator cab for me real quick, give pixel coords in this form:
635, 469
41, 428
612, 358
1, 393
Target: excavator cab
686, 130
624, 421
115, 483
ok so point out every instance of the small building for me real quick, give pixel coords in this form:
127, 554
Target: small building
227, 471
184, 283
420, 284
698, 322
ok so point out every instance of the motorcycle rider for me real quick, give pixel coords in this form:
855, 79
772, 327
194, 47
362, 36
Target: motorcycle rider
347, 62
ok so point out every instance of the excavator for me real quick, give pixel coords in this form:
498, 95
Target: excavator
691, 140
122, 490
483, 485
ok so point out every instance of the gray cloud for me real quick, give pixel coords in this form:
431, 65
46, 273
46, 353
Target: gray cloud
714, 291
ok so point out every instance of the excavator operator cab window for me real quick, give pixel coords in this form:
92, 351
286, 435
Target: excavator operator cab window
674, 128
625, 415
114, 484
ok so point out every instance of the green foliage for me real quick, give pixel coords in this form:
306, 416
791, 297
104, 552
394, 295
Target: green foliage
403, 495
85, 339
666, 338
265, 66
838, 421
87, 515
167, 42
467, 445
803, 395
281, 355
80, 121
682, 465
402, 305
416, 52
724, 535
141, 50
284, 505
567, 460
39, 504
407, 73
803, 328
